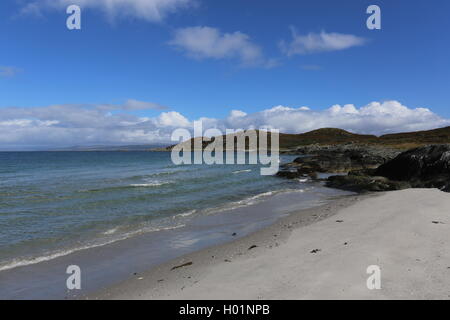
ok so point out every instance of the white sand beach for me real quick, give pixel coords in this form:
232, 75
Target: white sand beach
406, 233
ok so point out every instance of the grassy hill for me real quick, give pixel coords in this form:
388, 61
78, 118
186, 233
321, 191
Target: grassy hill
323, 136
418, 138
338, 136
333, 136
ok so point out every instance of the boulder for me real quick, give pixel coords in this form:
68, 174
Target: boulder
363, 183
424, 167
336, 159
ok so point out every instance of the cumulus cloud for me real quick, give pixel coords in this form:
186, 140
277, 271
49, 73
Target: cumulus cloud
9, 71
149, 10
375, 118
172, 119
319, 42
211, 43
69, 125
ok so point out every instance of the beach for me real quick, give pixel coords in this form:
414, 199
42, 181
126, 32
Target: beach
318, 253
115, 214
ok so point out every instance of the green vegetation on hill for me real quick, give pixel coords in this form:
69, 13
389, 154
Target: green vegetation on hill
331, 136
323, 136
334, 136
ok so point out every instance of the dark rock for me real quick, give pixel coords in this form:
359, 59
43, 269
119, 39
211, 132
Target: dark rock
289, 173
358, 183
424, 167
363, 172
336, 159
374, 168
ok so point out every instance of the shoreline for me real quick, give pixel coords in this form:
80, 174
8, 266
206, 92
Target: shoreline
109, 264
184, 271
318, 253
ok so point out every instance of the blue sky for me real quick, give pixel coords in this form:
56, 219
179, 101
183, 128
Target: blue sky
239, 63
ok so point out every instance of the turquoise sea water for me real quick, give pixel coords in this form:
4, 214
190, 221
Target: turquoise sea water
54, 203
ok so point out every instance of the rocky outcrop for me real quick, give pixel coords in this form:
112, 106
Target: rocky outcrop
373, 168
314, 149
361, 183
336, 159
424, 167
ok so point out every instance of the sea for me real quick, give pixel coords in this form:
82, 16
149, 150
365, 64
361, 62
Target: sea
57, 204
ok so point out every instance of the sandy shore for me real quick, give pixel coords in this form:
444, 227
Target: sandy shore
319, 253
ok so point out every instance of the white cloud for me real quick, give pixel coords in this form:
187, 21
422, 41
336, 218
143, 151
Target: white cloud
9, 71
237, 114
210, 43
150, 10
374, 118
172, 119
132, 104
319, 42
69, 125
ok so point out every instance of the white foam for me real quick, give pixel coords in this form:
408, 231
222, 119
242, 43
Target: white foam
29, 261
149, 184
242, 171
186, 214
110, 231
250, 200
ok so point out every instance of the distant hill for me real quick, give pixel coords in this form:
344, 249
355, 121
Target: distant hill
418, 138
333, 136
324, 136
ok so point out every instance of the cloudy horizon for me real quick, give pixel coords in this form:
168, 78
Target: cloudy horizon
59, 126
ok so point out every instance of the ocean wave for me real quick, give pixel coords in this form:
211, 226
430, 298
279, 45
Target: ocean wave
118, 236
185, 214
110, 231
149, 184
21, 262
158, 174
242, 171
251, 200
129, 186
